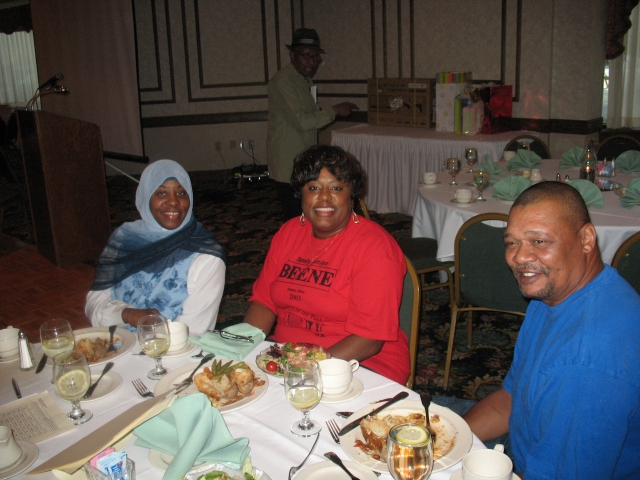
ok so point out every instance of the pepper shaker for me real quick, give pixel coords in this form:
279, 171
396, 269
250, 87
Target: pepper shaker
558, 178
26, 352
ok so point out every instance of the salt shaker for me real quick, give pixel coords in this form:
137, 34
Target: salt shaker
26, 352
558, 178
566, 178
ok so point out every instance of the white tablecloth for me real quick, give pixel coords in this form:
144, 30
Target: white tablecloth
274, 449
395, 158
435, 216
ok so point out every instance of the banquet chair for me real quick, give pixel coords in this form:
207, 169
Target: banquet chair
483, 281
627, 261
536, 145
410, 315
614, 145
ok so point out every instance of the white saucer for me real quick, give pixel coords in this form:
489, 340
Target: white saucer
429, 185
354, 390
460, 204
30, 453
324, 470
188, 348
457, 475
12, 358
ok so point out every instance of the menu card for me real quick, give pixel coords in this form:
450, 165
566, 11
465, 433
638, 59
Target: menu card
35, 418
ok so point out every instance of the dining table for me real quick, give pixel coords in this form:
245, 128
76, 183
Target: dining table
393, 157
436, 216
265, 422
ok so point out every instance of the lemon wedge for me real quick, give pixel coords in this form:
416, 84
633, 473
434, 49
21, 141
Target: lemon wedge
412, 435
73, 384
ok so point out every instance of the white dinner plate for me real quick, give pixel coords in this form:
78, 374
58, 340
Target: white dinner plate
176, 376
109, 384
188, 348
128, 341
30, 453
354, 390
325, 470
457, 475
162, 460
454, 429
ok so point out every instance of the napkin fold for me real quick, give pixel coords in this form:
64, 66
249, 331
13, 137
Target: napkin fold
489, 166
628, 162
192, 431
589, 192
234, 349
572, 157
631, 197
524, 159
510, 188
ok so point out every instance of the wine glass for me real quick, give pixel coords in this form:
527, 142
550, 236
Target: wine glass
72, 379
154, 339
303, 388
481, 181
453, 167
410, 452
57, 337
471, 156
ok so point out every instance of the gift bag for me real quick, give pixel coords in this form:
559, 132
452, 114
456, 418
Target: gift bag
448, 86
498, 103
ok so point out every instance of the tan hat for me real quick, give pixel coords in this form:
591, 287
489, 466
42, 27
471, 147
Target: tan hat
307, 38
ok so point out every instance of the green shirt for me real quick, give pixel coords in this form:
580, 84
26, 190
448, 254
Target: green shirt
293, 122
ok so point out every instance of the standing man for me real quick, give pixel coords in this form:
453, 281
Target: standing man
294, 115
571, 399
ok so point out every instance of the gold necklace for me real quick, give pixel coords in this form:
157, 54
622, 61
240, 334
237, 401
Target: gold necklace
324, 246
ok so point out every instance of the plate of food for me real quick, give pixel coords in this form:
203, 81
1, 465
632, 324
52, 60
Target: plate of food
94, 342
272, 359
209, 471
367, 445
229, 385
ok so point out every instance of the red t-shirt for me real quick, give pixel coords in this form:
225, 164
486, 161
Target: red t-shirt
355, 287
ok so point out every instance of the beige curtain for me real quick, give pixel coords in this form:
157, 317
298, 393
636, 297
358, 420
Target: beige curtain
18, 71
92, 43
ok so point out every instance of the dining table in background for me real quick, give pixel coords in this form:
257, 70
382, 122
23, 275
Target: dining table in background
266, 422
394, 157
435, 216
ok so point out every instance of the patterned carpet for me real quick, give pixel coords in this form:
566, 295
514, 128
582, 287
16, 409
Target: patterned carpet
245, 219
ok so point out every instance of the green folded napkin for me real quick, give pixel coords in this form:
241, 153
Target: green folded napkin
628, 162
589, 192
631, 197
524, 159
234, 349
488, 165
192, 431
509, 188
572, 157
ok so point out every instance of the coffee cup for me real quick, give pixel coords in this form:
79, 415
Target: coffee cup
10, 451
508, 155
487, 465
337, 375
463, 195
430, 178
9, 342
536, 176
179, 334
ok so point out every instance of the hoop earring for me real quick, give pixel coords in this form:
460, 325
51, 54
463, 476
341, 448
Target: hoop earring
303, 220
355, 217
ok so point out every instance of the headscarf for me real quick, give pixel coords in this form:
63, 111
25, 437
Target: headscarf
144, 245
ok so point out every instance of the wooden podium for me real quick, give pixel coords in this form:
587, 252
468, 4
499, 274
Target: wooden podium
65, 177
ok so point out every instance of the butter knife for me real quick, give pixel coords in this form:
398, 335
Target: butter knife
16, 388
42, 363
351, 425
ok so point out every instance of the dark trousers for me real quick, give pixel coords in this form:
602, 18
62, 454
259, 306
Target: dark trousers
289, 203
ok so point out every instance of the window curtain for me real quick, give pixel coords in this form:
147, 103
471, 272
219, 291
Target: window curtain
18, 71
624, 80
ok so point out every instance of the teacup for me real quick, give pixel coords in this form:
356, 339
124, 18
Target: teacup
10, 451
506, 156
430, 178
337, 375
463, 195
536, 176
9, 342
179, 334
487, 465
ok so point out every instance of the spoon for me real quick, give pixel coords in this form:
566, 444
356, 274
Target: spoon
92, 388
335, 459
112, 348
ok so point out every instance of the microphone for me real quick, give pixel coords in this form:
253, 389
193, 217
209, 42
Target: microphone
52, 81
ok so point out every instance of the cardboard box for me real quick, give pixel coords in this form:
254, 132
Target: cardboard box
402, 102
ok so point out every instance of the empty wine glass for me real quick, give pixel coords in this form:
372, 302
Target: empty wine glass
453, 167
303, 388
481, 181
72, 379
154, 339
409, 452
471, 156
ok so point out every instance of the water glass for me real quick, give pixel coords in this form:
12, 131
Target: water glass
481, 182
410, 452
471, 156
154, 338
303, 388
453, 167
72, 379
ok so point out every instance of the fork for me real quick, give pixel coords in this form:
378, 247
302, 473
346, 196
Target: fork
334, 430
141, 388
198, 355
293, 470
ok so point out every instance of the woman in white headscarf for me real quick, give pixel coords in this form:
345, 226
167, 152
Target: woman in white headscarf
165, 263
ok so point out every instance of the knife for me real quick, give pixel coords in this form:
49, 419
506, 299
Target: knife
16, 388
351, 425
42, 363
